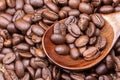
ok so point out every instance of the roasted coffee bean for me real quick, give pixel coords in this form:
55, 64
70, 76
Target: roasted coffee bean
31, 71
11, 3
81, 41
74, 12
22, 47
10, 11
90, 52
107, 2
26, 77
89, 77
38, 73
66, 8
10, 66
106, 9
22, 25
62, 49
50, 15
97, 32
74, 30
101, 42
56, 72
92, 40
70, 20
74, 53
25, 54
83, 24
6, 16
65, 76
47, 21
12, 75
82, 50
91, 29
98, 20
2, 5
96, 3
19, 4
1, 76
27, 18
69, 38
86, 16
3, 22
7, 43
10, 57
85, 8
46, 74
1, 43
77, 76
36, 39
74, 4
109, 62
26, 62
11, 28
37, 3
101, 69
18, 15
105, 77
63, 14
19, 68
63, 2
28, 9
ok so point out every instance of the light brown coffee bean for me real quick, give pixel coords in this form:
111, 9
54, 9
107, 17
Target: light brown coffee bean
81, 41
9, 58
101, 42
74, 4
28, 9
69, 38
27, 18
83, 24
63, 2
62, 49
90, 52
106, 9
39, 52
85, 8
98, 20
47, 21
91, 29
6, 16
2, 5
22, 25
19, 68
11, 3
74, 53
10, 66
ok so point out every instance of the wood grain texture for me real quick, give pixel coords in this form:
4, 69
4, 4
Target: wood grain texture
111, 31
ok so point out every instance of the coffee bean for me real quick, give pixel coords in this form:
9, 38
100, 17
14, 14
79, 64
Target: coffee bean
98, 20
86, 16
63, 14
25, 54
85, 8
63, 2
65, 76
81, 41
62, 49
7, 16
37, 3
28, 9
92, 40
10, 11
12, 75
22, 47
90, 78
107, 2
19, 67
2, 5
46, 74
1, 43
26, 76
74, 53
74, 12
109, 62
38, 73
70, 20
69, 38
10, 57
11, 28
82, 50
19, 4
96, 3
31, 71
77, 76
74, 4
1, 76
106, 9
56, 72
3, 22
11, 3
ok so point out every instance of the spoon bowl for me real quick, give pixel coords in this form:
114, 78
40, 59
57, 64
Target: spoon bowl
111, 31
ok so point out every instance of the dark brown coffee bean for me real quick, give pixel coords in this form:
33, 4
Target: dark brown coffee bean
18, 15
31, 71
1, 76
107, 2
101, 42
37, 30
74, 4
62, 49
50, 15
10, 11
90, 52
96, 3
12, 75
69, 38
52, 7
97, 32
81, 41
10, 57
63, 14
28, 9
11, 28
98, 20
57, 38
106, 9
91, 29
19, 4
2, 5
101, 69
74, 30
37, 3
46, 74
85, 8
77, 76
105, 77
3, 22
22, 25
26, 77
74, 53
38, 73
29, 41
83, 24
92, 40
109, 62
11, 3
22, 47
19, 68
70, 19
86, 16
74, 12
41, 62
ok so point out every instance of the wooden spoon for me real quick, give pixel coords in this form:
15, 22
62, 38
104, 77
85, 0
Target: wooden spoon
111, 31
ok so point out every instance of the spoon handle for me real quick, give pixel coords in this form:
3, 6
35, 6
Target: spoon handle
114, 20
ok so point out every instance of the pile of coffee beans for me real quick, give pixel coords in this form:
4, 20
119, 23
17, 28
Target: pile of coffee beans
23, 24
79, 37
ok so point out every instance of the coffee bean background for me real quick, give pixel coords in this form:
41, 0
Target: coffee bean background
22, 26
